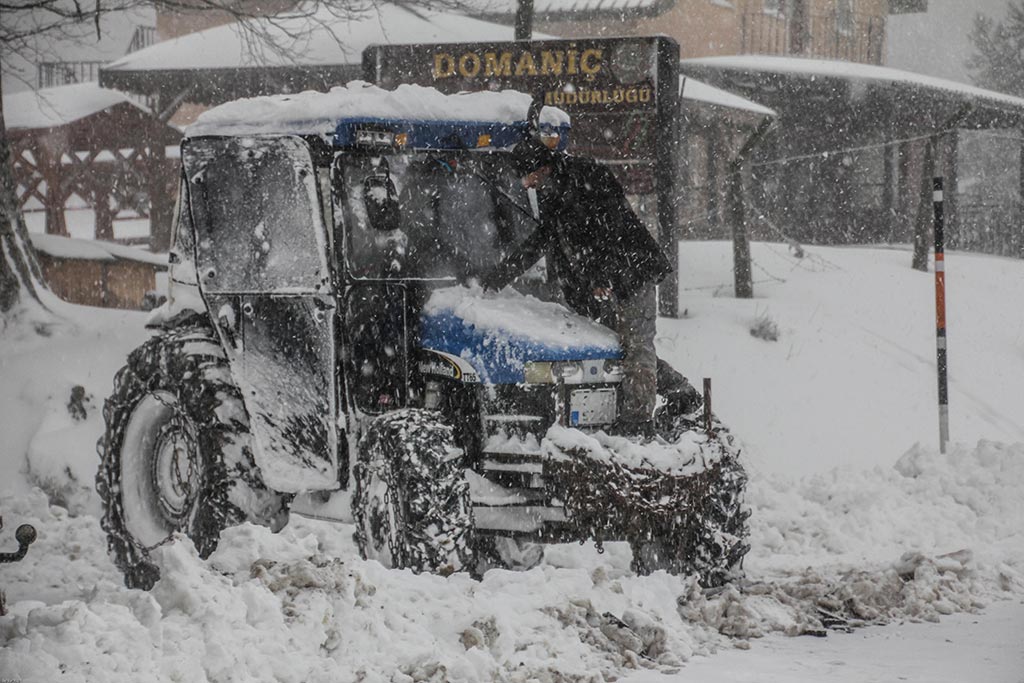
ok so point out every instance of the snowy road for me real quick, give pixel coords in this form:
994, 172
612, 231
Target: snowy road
963, 648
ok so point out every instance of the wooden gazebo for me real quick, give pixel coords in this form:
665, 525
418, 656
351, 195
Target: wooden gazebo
86, 141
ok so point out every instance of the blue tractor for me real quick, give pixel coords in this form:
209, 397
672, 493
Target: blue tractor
320, 353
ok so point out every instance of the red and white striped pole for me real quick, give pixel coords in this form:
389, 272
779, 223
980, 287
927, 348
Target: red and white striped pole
940, 312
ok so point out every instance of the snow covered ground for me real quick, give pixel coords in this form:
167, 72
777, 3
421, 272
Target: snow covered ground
854, 511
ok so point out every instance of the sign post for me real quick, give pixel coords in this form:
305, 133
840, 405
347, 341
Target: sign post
940, 312
621, 93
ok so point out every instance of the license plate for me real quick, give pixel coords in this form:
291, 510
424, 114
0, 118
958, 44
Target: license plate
592, 407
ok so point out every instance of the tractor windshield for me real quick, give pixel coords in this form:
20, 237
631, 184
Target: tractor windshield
428, 215
258, 222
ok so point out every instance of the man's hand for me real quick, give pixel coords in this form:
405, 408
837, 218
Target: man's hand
603, 293
492, 280
467, 275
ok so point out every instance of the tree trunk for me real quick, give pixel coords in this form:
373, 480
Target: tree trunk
19, 271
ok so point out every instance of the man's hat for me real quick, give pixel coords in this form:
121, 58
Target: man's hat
529, 155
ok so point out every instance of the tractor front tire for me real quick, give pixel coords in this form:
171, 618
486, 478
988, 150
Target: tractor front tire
175, 456
411, 499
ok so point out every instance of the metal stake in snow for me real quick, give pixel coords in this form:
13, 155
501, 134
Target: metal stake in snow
707, 406
940, 313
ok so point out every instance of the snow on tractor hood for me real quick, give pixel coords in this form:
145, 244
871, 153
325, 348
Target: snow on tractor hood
498, 333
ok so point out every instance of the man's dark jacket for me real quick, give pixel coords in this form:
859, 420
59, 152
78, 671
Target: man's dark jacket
591, 237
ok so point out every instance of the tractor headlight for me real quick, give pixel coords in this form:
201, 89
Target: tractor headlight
538, 372
566, 369
375, 138
613, 366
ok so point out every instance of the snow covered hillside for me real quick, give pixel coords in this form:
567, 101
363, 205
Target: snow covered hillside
857, 518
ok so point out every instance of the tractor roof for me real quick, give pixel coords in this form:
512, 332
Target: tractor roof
361, 114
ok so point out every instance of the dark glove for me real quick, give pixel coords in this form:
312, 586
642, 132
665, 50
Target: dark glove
466, 272
492, 280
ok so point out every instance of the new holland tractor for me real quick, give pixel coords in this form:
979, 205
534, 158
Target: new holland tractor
319, 350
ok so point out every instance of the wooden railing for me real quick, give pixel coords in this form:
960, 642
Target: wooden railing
51, 74
144, 36
845, 36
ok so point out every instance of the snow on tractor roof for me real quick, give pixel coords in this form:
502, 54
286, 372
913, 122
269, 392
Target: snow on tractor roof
427, 117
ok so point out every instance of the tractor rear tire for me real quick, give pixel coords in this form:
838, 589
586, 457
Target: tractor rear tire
411, 498
175, 456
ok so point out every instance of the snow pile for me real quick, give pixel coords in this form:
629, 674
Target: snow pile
67, 425
300, 606
915, 588
928, 503
318, 112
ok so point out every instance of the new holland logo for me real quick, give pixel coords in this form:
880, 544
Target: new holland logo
439, 365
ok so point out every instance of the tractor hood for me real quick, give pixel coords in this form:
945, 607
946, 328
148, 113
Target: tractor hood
498, 333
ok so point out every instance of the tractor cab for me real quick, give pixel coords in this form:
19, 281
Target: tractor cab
330, 234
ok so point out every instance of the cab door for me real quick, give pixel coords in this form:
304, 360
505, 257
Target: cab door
262, 260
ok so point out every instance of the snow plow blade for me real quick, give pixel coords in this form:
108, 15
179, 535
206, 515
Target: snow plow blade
678, 503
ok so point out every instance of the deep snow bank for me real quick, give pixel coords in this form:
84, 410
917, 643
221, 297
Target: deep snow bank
928, 502
301, 606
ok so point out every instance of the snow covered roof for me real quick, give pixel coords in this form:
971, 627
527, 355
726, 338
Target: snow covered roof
92, 250
309, 40
53, 107
698, 91
320, 113
817, 68
587, 7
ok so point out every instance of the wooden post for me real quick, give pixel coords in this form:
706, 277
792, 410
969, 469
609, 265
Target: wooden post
48, 162
949, 168
889, 154
524, 20
1019, 246
743, 280
922, 222
104, 216
666, 169
742, 275
161, 201
712, 158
